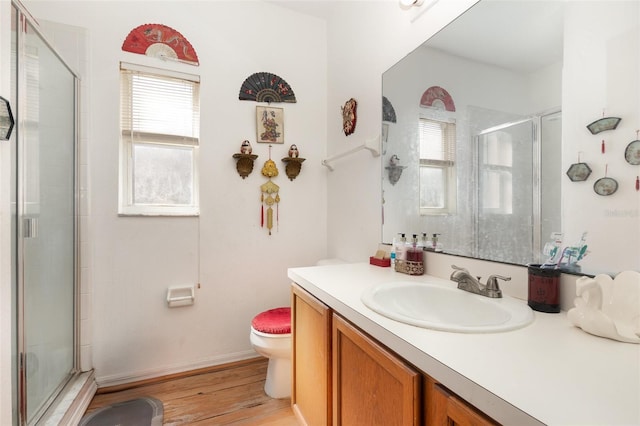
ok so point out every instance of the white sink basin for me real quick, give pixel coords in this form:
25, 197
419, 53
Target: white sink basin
439, 307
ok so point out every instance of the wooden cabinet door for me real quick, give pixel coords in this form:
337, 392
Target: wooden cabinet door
371, 386
311, 359
444, 408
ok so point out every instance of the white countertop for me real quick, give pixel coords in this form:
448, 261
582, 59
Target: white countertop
549, 372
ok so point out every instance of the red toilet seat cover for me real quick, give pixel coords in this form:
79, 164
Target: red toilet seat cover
273, 321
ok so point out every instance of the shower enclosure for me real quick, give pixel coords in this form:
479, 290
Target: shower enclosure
513, 216
505, 224
44, 221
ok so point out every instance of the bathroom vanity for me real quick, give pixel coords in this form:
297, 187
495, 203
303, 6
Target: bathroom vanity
350, 362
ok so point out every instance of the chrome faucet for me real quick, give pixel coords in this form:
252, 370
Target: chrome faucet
471, 284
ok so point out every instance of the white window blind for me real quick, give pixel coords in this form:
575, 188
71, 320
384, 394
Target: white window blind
160, 122
437, 142
437, 166
159, 109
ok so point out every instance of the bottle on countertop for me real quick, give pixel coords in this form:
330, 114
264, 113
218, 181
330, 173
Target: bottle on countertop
392, 255
424, 241
401, 249
414, 253
437, 246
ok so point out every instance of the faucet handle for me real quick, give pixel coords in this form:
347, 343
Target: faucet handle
458, 268
492, 281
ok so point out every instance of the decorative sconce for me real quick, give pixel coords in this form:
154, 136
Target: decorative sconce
394, 169
293, 162
244, 158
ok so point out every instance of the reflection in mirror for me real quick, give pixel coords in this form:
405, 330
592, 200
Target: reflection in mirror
481, 130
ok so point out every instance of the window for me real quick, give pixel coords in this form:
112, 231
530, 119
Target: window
160, 124
437, 167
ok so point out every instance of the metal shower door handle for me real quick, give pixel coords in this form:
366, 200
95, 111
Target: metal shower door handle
30, 227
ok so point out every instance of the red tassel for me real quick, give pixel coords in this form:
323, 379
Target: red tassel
262, 216
602, 147
637, 183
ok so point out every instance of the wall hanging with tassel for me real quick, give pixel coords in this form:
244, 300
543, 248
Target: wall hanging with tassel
269, 194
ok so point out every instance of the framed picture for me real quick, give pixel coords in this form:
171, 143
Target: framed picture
269, 125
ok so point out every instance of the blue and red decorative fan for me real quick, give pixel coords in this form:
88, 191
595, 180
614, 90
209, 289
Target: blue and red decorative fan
266, 87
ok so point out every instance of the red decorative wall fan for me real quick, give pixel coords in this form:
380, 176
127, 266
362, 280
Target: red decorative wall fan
160, 41
436, 96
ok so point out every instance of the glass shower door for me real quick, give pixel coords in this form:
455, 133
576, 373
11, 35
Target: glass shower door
46, 225
507, 195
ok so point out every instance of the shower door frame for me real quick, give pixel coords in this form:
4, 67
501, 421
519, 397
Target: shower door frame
22, 19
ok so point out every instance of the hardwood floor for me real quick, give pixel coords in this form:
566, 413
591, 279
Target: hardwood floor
232, 395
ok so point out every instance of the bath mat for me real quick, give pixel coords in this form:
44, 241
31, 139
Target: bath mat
144, 411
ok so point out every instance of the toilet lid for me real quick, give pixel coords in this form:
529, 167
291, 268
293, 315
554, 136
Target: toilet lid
273, 321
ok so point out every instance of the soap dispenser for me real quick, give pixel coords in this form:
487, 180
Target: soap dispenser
437, 246
401, 249
424, 241
414, 253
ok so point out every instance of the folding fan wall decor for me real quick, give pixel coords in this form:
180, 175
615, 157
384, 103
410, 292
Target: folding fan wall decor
388, 112
160, 41
437, 97
266, 87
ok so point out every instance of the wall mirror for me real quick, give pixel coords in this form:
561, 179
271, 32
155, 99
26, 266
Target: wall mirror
476, 120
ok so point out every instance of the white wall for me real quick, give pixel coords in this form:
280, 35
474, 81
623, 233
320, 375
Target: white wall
366, 39
602, 58
242, 270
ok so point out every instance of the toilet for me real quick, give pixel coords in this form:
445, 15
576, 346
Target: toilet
271, 337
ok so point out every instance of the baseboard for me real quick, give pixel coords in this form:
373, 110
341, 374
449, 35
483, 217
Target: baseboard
114, 382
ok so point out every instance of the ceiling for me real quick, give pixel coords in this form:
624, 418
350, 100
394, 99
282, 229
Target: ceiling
514, 34
318, 8
532, 25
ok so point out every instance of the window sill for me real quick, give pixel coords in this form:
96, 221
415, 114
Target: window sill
159, 212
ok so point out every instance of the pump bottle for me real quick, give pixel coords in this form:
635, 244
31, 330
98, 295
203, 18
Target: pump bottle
414, 253
401, 250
